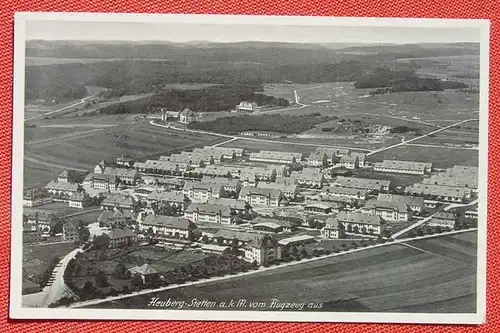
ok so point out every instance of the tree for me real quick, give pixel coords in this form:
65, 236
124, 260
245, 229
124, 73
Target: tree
363, 230
312, 223
349, 228
235, 242
204, 239
102, 242
100, 279
355, 229
304, 253
325, 161
87, 290
220, 240
295, 251
120, 269
136, 280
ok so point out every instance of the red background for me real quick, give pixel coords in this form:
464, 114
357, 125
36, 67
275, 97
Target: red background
489, 9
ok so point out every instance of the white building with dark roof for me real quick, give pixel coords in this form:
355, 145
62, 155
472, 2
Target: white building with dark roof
187, 116
278, 157
371, 185
308, 177
344, 192
117, 201
388, 210
261, 196
174, 198
236, 206
358, 222
416, 204
101, 182
439, 192
443, 219
246, 106
168, 225
405, 167
289, 190
62, 188
201, 191
201, 212
349, 162
126, 176
332, 229
263, 251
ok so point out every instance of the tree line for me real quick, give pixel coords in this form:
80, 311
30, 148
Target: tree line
267, 123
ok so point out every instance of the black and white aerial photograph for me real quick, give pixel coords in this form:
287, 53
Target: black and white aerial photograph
249, 168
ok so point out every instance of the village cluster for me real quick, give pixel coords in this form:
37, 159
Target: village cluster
260, 202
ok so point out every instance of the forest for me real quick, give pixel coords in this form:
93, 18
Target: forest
398, 81
216, 98
267, 123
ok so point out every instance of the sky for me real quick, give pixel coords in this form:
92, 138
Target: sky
182, 32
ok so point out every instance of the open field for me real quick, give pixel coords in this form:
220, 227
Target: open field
440, 157
37, 257
81, 153
459, 136
402, 279
343, 99
465, 68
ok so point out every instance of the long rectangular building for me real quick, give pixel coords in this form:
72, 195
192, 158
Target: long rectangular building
260, 196
439, 192
362, 183
276, 157
405, 167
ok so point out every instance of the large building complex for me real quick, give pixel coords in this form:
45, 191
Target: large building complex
406, 167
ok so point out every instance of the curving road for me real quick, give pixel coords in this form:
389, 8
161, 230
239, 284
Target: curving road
55, 291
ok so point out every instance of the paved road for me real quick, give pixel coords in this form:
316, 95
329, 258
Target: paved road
422, 221
83, 100
52, 292
235, 137
420, 137
261, 269
440, 146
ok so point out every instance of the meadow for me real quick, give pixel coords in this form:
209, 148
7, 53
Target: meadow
401, 279
81, 151
440, 157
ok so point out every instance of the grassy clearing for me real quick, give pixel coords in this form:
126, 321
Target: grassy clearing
400, 279
136, 139
343, 99
440, 157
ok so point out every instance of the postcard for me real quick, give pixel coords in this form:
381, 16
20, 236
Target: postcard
249, 168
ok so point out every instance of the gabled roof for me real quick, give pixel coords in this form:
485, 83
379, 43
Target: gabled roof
358, 217
392, 205
444, 215
143, 270
332, 223
249, 190
165, 196
120, 233
117, 199
168, 222
62, 186
209, 209
409, 200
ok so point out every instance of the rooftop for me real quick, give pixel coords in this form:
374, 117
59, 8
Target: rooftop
249, 190
438, 190
209, 209
168, 222
358, 217
116, 233
403, 165
166, 196
299, 238
362, 183
390, 205
62, 186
